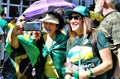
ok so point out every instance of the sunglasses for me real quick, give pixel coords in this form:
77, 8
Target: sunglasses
75, 17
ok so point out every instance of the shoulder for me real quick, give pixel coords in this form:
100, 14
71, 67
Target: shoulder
100, 35
3, 20
62, 36
114, 16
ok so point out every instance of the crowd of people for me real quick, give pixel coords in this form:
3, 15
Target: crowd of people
82, 47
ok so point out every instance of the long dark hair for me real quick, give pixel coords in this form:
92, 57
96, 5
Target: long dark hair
59, 17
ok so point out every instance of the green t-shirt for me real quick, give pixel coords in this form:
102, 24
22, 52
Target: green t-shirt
83, 52
4, 25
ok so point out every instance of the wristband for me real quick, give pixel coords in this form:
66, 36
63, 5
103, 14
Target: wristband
91, 73
68, 73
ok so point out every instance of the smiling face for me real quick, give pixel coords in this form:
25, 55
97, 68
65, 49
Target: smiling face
76, 22
50, 28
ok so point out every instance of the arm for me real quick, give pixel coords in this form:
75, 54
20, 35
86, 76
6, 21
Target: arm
14, 39
68, 69
1, 38
106, 64
117, 70
12, 36
105, 55
118, 49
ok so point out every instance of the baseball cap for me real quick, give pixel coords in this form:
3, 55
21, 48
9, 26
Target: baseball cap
82, 10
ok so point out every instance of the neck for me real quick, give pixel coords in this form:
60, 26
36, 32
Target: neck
79, 33
106, 11
52, 36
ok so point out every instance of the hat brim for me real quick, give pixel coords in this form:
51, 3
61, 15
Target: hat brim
49, 20
69, 12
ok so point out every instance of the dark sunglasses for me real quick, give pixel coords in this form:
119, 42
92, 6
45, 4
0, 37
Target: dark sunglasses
75, 17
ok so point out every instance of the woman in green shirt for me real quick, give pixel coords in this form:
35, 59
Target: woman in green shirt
89, 55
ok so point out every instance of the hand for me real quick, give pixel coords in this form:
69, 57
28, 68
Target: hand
83, 74
18, 29
68, 76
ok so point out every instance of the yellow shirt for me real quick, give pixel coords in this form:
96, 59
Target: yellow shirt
50, 70
11, 25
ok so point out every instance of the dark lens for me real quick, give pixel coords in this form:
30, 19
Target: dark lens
70, 17
75, 17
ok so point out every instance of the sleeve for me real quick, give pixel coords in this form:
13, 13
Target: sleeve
116, 30
1, 31
6, 27
101, 41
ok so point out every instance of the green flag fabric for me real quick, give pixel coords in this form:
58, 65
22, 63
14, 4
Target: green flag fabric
29, 46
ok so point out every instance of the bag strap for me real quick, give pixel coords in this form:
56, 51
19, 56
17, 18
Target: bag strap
110, 13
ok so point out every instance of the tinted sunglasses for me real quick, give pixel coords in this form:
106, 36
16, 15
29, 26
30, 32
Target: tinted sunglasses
75, 17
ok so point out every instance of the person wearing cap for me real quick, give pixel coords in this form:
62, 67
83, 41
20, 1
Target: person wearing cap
25, 60
54, 48
89, 55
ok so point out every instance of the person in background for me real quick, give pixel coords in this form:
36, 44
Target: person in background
3, 22
12, 23
1, 46
117, 6
88, 51
4, 26
96, 18
54, 48
110, 26
66, 26
25, 59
